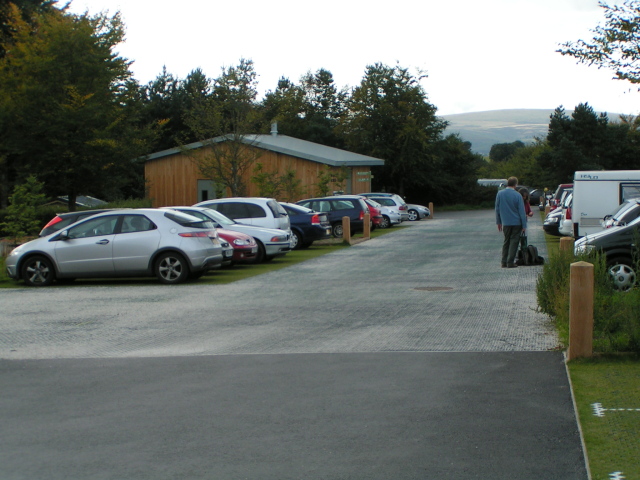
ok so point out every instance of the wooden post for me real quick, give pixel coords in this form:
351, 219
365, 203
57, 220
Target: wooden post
346, 230
566, 243
367, 226
431, 209
581, 311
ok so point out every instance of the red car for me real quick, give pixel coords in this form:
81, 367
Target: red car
245, 248
374, 212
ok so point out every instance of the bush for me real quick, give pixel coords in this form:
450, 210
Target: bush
616, 316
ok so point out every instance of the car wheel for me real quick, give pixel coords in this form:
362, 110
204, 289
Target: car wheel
261, 252
38, 271
413, 215
385, 223
623, 273
337, 230
296, 240
171, 268
306, 245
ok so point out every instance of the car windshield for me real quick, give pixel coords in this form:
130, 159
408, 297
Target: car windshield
276, 209
219, 217
373, 203
622, 209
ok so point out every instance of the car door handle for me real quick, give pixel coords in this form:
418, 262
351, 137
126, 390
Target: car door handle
102, 242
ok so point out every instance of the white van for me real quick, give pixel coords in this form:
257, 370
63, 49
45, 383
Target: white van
598, 193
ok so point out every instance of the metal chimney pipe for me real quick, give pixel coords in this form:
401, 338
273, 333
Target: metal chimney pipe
274, 128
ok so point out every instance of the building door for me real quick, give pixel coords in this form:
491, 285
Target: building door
206, 190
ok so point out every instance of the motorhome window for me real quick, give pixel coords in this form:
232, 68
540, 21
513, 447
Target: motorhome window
629, 190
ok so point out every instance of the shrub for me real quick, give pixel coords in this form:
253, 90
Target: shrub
616, 316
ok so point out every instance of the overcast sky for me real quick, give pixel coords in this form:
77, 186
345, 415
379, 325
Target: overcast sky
478, 55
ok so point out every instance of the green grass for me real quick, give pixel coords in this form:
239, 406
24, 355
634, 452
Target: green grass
613, 440
219, 276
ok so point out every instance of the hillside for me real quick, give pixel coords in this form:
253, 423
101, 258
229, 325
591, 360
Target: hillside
484, 129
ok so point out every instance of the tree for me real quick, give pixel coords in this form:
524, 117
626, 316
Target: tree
63, 98
389, 117
21, 219
616, 45
223, 122
26, 10
503, 151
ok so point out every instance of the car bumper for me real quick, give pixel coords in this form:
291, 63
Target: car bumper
248, 254
274, 249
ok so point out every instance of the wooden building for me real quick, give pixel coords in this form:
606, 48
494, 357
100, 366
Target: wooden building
173, 178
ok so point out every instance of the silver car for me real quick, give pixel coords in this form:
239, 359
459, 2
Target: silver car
417, 212
272, 242
171, 246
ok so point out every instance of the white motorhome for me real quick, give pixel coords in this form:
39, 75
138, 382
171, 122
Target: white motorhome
598, 193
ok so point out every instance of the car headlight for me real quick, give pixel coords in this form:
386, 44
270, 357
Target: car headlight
582, 247
241, 242
280, 238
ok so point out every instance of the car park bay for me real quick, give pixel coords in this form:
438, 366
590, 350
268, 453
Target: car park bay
446, 372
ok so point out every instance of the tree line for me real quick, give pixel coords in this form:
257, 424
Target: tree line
73, 116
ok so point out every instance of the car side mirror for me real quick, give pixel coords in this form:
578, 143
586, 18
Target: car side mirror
63, 235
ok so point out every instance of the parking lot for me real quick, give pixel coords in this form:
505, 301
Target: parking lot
413, 355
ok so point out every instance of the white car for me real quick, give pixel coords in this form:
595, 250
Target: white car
565, 224
271, 242
256, 211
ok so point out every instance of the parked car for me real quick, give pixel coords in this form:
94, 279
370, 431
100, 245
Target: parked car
271, 242
556, 199
619, 244
624, 214
551, 222
565, 224
62, 220
256, 211
393, 202
307, 226
136, 242
336, 207
535, 196
417, 212
375, 213
227, 251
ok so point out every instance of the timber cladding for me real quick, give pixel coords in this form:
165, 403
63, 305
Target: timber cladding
173, 179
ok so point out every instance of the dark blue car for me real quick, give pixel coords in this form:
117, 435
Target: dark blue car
352, 206
307, 226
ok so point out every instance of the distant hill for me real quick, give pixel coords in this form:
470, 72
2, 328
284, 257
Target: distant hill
485, 129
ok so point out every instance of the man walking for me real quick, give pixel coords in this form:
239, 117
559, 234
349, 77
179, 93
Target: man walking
511, 220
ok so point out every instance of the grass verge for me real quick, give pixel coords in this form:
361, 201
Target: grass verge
610, 387
612, 439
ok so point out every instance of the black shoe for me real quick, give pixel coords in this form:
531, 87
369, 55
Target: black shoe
504, 265
512, 265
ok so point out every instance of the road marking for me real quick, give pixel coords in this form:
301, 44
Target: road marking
616, 476
598, 409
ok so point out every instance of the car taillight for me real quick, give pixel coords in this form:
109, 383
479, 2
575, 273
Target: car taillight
403, 207
53, 221
362, 215
194, 234
568, 217
315, 220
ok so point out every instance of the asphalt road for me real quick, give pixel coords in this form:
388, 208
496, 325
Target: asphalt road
413, 355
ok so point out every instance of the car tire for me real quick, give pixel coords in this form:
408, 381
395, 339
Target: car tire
385, 223
623, 273
296, 240
337, 230
413, 215
261, 255
171, 268
38, 271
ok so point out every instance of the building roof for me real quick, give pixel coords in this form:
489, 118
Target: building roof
294, 147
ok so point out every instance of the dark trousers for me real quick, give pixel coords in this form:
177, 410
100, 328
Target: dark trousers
510, 244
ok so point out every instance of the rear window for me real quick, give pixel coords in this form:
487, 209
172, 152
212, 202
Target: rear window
386, 201
277, 209
296, 209
185, 220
